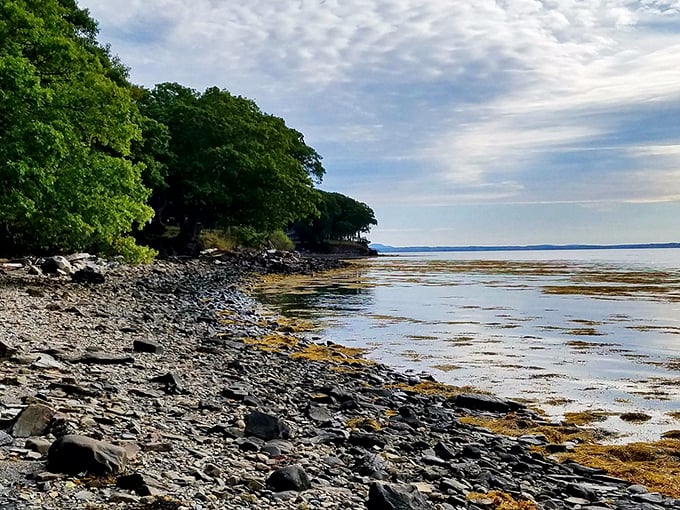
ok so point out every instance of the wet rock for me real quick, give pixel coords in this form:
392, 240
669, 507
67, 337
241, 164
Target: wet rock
32, 421
74, 454
266, 426
384, 496
289, 478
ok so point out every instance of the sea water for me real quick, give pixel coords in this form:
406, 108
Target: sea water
562, 330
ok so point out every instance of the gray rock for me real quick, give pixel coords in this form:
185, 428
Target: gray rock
266, 426
147, 346
38, 445
5, 438
289, 478
74, 454
387, 496
32, 421
140, 484
319, 413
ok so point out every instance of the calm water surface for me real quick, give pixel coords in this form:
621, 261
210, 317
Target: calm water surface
565, 330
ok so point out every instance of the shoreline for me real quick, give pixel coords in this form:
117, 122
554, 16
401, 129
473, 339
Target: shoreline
358, 431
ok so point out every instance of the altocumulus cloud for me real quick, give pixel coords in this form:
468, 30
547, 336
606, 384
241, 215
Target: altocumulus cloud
505, 101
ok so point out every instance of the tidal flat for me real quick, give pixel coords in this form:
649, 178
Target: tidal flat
565, 332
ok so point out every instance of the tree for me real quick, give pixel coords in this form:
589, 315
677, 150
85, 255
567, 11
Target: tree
340, 218
228, 163
67, 121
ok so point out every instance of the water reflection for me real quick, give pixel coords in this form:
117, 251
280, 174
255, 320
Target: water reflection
570, 334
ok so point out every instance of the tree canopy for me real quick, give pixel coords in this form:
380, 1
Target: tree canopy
341, 218
87, 159
67, 122
228, 163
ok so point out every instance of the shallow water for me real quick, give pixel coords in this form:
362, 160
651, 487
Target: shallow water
563, 330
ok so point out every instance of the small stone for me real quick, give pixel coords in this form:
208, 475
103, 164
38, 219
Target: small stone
38, 445
56, 265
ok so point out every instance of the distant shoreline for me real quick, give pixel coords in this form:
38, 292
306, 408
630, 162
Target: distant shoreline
381, 248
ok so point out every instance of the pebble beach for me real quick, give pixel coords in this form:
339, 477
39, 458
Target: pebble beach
168, 386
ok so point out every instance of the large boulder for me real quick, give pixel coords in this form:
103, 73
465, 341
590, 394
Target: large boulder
73, 454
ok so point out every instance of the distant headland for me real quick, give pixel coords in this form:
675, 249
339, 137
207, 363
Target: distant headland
382, 248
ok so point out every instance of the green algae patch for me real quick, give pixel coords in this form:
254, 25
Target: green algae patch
498, 500
436, 388
273, 342
655, 465
333, 353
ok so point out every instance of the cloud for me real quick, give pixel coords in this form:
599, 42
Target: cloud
483, 101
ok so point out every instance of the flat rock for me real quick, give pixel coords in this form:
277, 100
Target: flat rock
73, 454
103, 358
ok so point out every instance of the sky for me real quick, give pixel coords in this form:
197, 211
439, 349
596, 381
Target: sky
460, 122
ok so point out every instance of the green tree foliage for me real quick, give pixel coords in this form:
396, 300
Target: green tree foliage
228, 163
340, 218
67, 122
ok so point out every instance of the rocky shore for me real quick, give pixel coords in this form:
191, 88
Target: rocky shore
166, 386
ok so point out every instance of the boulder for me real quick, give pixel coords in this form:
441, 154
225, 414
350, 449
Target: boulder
73, 454
266, 426
289, 478
56, 265
387, 496
33, 420
485, 403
